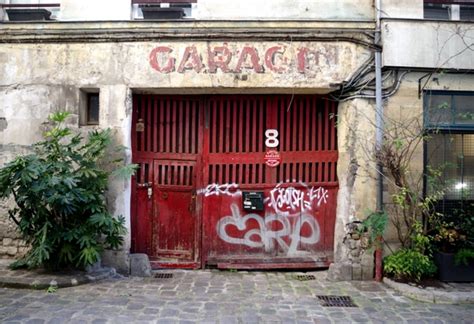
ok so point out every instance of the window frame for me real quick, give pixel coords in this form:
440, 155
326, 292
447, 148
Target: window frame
84, 108
453, 126
444, 130
88, 121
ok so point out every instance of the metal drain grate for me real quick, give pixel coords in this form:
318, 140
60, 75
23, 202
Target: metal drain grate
336, 301
163, 275
305, 277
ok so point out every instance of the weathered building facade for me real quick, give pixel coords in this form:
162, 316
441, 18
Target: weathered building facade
252, 153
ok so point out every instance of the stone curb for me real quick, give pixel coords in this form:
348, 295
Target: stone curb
56, 281
431, 295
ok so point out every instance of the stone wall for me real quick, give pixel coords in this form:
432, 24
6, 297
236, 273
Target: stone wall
11, 245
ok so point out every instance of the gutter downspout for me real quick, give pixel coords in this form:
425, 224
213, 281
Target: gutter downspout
379, 130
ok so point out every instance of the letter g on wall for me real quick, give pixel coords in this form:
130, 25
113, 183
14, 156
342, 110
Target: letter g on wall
158, 56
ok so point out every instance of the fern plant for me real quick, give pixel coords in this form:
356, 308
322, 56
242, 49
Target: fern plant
59, 191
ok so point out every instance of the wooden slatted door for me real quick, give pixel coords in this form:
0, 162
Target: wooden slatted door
166, 144
199, 156
306, 180
296, 226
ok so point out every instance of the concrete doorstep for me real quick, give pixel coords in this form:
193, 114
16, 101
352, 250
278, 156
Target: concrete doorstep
41, 279
448, 295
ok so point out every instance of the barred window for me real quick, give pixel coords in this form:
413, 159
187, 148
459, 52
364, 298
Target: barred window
449, 117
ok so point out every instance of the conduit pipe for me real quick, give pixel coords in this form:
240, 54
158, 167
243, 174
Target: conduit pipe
379, 122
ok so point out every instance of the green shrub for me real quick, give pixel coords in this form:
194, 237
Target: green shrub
464, 256
409, 264
59, 192
375, 225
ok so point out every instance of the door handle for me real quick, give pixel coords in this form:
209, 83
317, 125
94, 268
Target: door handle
192, 205
144, 185
149, 192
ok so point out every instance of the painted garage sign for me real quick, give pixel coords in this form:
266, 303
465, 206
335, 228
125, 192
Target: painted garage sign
310, 59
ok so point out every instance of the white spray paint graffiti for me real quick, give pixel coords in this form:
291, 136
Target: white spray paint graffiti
264, 236
284, 200
226, 189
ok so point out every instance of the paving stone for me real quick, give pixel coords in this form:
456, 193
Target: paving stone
221, 297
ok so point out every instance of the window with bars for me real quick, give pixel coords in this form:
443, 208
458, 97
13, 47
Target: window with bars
449, 117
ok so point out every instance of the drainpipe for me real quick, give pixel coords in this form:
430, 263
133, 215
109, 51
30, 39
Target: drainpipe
378, 131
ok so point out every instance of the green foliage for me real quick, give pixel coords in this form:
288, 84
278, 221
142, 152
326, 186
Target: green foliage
409, 264
464, 256
411, 204
420, 241
375, 225
59, 192
52, 289
415, 262
454, 231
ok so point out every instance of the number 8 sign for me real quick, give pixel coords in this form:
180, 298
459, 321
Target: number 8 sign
271, 138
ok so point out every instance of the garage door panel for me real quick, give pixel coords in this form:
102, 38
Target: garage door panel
222, 140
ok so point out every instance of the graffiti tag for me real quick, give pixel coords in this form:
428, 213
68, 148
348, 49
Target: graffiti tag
288, 199
264, 236
226, 189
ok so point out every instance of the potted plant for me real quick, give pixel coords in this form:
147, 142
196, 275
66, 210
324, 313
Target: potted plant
453, 245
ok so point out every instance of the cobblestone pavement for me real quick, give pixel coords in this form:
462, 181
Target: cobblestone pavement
221, 297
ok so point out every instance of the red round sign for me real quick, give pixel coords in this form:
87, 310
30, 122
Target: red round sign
272, 158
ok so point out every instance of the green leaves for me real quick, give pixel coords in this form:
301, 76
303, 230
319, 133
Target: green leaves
101, 219
125, 172
60, 196
375, 225
88, 256
409, 264
59, 117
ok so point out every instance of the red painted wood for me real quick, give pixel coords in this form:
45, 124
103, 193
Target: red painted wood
202, 152
173, 139
272, 265
157, 265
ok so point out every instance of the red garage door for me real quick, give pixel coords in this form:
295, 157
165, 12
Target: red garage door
209, 193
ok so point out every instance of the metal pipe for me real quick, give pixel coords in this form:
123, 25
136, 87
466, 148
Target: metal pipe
379, 131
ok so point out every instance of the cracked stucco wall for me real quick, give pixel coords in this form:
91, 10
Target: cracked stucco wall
38, 79
357, 184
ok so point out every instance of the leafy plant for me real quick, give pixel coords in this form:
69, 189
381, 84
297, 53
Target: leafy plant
409, 264
415, 262
453, 231
59, 192
375, 225
52, 289
464, 256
